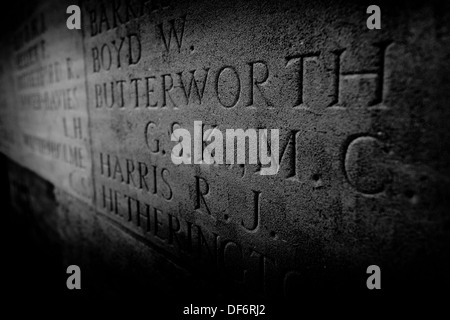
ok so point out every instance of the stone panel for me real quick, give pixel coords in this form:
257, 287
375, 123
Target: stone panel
51, 99
363, 144
348, 101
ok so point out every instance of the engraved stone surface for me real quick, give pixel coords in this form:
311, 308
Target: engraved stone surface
51, 99
364, 172
9, 140
347, 101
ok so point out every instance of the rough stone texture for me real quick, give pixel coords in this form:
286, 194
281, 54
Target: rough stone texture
364, 142
8, 118
50, 98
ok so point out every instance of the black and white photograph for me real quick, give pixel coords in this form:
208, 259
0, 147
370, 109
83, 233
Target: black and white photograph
224, 159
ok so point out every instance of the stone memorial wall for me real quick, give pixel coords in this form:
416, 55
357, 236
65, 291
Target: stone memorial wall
50, 94
362, 114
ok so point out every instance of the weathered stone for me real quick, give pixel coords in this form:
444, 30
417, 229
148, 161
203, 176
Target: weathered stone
9, 132
51, 100
364, 167
345, 98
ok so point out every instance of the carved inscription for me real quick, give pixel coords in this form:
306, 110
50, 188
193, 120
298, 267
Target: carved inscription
51, 98
94, 112
149, 74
